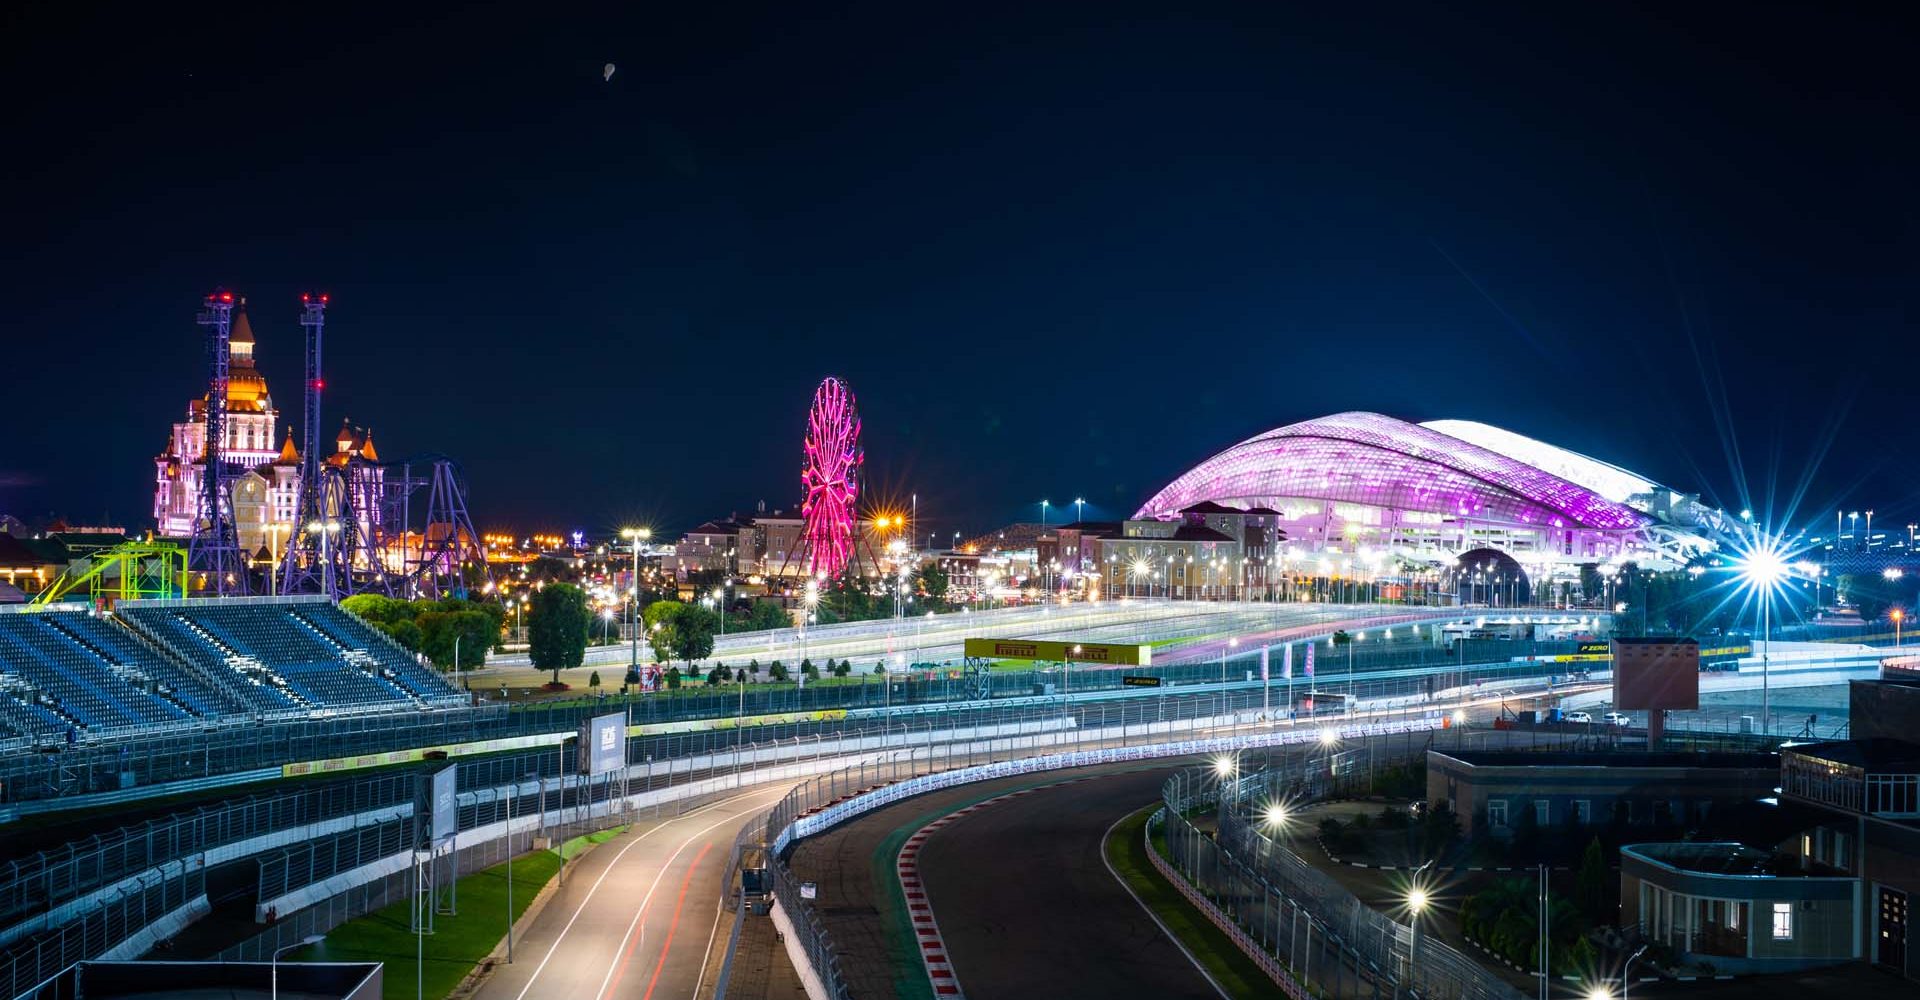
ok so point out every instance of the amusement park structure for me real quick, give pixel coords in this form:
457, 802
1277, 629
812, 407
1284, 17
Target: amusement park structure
215, 550
830, 478
360, 524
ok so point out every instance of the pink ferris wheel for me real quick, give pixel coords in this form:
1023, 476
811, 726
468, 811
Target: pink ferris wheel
831, 478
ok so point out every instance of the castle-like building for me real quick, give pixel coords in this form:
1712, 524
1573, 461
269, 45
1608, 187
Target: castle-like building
266, 496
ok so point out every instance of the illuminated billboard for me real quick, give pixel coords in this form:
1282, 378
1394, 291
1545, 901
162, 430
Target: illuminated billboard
1057, 652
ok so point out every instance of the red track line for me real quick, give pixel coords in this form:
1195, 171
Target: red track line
674, 926
628, 957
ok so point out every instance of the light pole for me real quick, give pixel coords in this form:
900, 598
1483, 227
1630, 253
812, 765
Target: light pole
273, 964
1626, 971
636, 536
1762, 567
1043, 514
1417, 900
1079, 509
1897, 615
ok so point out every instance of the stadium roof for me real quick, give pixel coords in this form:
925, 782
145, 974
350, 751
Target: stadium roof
1609, 481
1380, 461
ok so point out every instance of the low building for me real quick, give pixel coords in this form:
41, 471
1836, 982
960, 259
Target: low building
1741, 909
1489, 790
1867, 793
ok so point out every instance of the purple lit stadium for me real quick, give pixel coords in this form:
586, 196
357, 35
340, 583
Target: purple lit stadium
1364, 488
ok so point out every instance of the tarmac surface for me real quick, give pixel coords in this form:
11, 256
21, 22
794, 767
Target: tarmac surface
1023, 899
640, 916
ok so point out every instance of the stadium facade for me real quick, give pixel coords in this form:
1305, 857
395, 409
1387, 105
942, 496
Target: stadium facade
1370, 494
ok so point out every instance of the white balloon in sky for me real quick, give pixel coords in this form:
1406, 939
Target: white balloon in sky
606, 72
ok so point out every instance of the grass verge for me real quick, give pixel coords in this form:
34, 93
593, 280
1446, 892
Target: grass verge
458, 942
1228, 965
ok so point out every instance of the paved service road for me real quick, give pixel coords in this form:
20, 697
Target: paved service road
1024, 902
639, 917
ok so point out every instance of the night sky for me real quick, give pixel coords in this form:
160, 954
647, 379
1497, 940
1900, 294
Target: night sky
1057, 249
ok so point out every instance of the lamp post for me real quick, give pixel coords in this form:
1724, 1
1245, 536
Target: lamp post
636, 536
1626, 971
1043, 514
1897, 615
273, 964
1417, 900
1079, 509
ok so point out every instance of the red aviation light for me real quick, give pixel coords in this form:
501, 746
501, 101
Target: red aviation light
226, 296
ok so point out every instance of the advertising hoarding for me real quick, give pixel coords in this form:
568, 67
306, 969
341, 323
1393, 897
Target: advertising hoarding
603, 744
1060, 652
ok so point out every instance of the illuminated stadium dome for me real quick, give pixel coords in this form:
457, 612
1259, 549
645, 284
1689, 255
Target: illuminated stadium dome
1360, 482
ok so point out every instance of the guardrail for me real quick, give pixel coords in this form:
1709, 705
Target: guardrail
1276, 970
1266, 888
831, 799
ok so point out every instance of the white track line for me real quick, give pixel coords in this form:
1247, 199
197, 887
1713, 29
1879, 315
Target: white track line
1155, 917
555, 946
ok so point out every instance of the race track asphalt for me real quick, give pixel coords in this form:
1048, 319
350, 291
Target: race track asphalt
641, 916
1023, 899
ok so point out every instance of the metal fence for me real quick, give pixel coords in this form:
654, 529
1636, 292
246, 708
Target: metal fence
1250, 870
42, 881
238, 745
28, 965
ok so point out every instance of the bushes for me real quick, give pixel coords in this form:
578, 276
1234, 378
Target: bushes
1504, 918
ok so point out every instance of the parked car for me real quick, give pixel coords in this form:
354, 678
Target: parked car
1580, 717
1616, 719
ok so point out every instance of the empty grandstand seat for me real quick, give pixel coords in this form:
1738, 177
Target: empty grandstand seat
80, 683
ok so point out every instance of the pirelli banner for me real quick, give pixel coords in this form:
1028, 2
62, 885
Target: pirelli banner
1049, 651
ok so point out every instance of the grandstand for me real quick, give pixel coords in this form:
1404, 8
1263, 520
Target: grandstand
65, 670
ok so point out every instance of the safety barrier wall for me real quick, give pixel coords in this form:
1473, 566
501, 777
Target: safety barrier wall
1280, 900
1257, 950
27, 966
831, 799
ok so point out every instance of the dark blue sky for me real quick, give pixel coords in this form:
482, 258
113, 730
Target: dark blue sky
1072, 249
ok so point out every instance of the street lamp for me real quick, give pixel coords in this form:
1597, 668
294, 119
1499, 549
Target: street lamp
1079, 509
273, 964
1043, 514
636, 536
1762, 568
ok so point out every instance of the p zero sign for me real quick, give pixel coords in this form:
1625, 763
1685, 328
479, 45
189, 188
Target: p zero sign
1048, 650
603, 744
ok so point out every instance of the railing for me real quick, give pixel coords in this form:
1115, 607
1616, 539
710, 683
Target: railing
30, 964
1268, 890
825, 801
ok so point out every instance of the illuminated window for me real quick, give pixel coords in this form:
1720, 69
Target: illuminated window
1783, 921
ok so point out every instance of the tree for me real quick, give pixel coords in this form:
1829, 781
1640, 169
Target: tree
778, 671
379, 608
659, 618
812, 672
557, 634
1590, 883
1591, 586
593, 679
767, 615
673, 678
692, 633
720, 673
442, 633
932, 585
753, 666
406, 632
